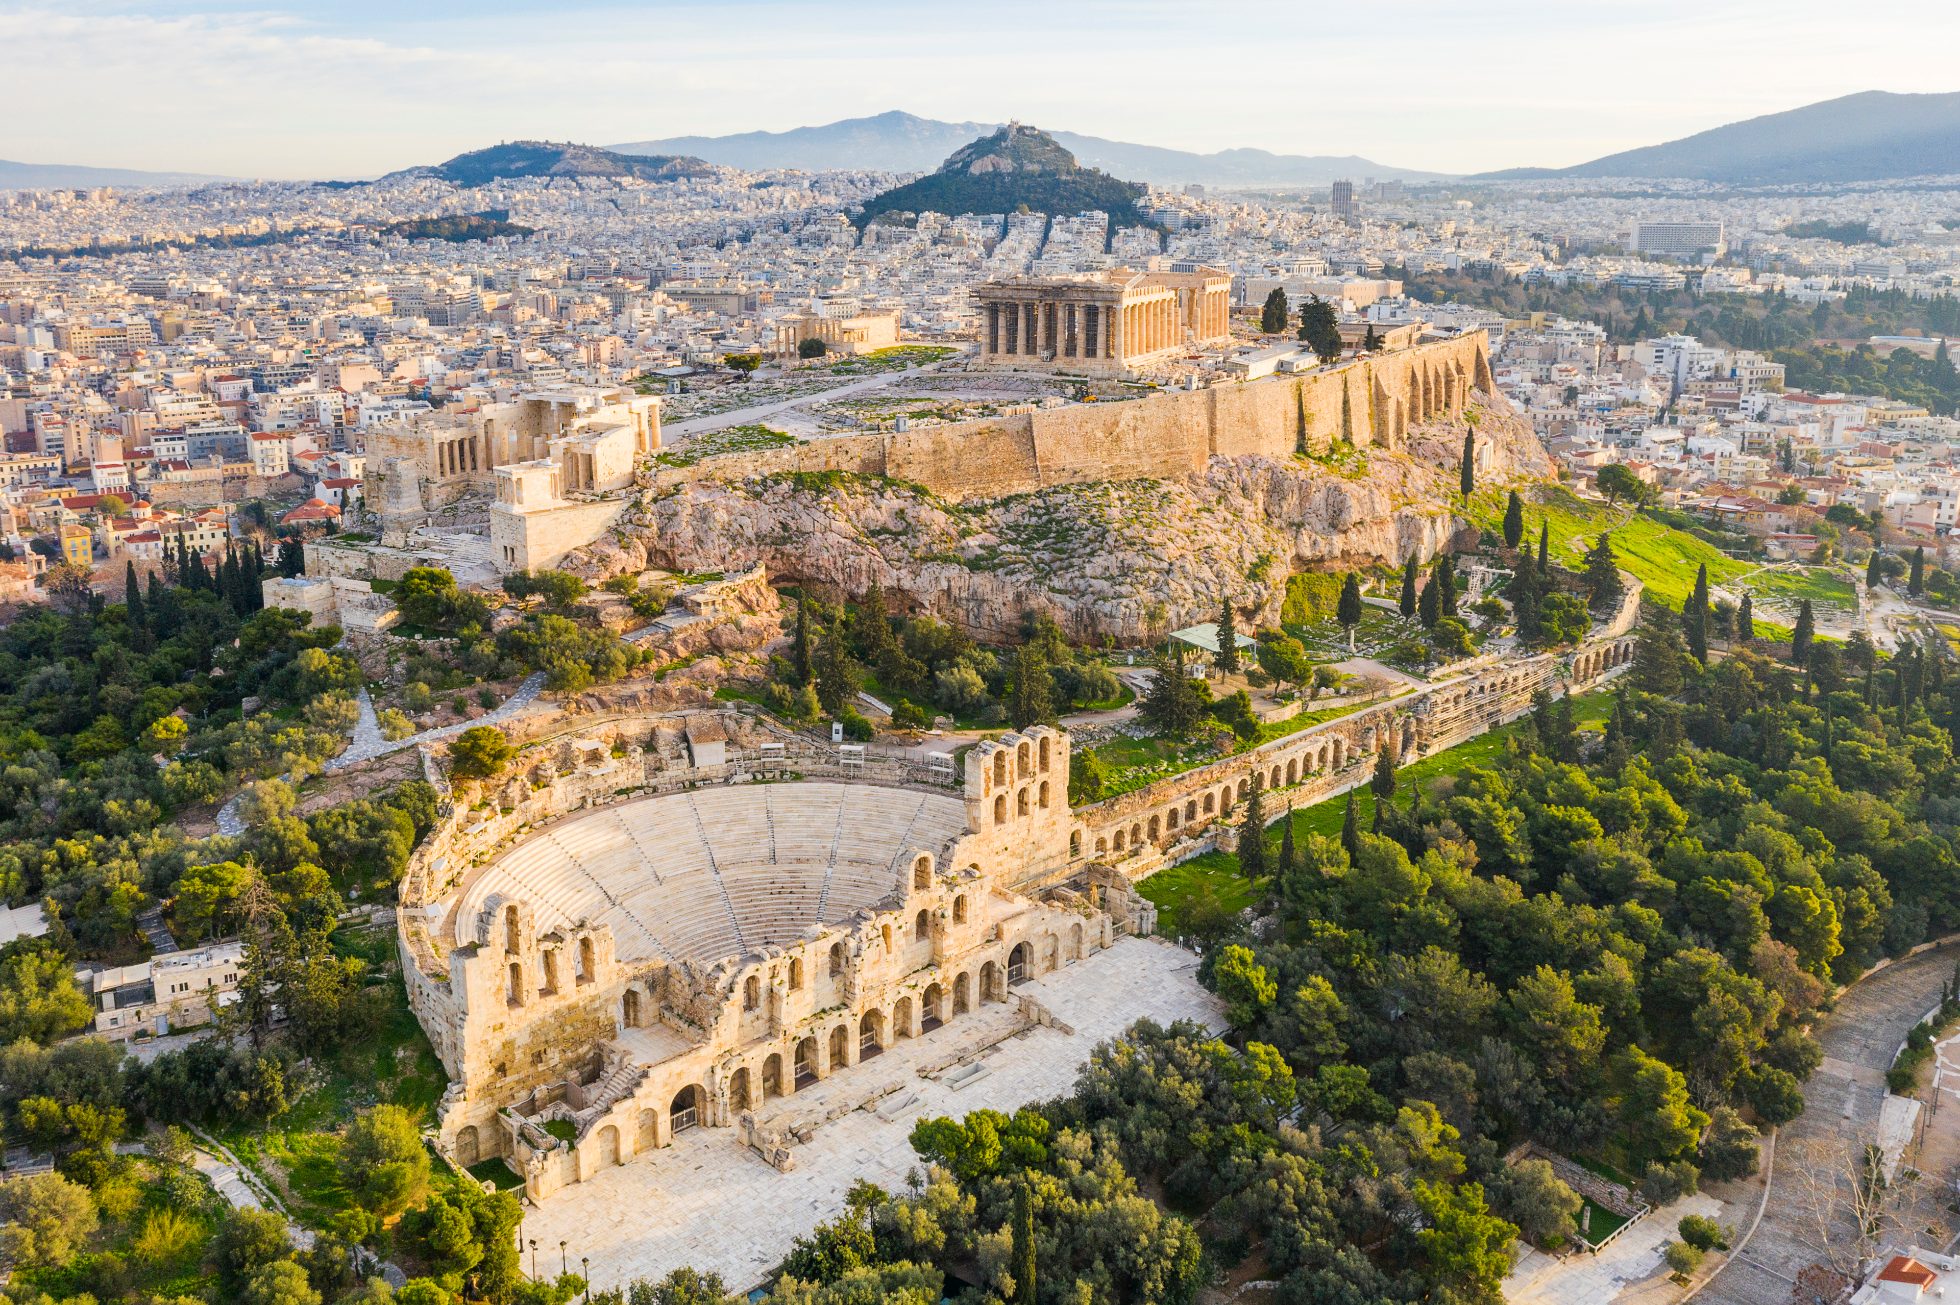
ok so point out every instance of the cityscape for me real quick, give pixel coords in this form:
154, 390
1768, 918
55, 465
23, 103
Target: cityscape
950, 709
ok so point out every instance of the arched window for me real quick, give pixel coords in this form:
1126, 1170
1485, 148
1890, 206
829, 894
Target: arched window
516, 995
510, 928
586, 964
549, 959
752, 993
885, 932
1000, 809
837, 958
1021, 801
1021, 767
1000, 768
1044, 755
1075, 844
959, 909
922, 872
1041, 798
922, 925
795, 973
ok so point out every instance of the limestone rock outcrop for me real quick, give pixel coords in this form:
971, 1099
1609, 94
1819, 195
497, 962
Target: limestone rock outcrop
1126, 559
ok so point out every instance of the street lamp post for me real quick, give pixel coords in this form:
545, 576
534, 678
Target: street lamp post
585, 1271
534, 1259
564, 1265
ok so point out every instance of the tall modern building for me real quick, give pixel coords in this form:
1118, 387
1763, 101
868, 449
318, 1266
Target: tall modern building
1344, 200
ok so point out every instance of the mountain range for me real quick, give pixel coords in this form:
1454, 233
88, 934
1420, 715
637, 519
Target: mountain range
56, 176
1870, 136
903, 142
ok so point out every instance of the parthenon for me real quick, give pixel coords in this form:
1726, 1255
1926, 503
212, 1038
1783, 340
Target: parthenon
1103, 322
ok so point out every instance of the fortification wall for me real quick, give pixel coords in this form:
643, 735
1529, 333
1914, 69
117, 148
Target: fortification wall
1371, 401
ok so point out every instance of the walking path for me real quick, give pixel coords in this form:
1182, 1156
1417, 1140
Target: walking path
1842, 1099
368, 743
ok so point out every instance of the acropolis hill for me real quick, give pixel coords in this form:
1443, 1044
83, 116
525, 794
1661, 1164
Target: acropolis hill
1111, 516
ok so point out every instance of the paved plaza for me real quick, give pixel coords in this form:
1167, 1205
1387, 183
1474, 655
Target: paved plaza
710, 1202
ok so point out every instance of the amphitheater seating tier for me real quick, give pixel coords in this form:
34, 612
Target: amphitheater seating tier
715, 873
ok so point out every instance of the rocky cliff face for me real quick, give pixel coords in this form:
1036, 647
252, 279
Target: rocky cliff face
1126, 559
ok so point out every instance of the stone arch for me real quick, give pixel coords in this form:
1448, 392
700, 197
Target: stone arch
932, 1005
511, 935
1211, 802
1171, 821
962, 995
685, 1110
468, 1149
803, 1061
629, 1008
1000, 809
1136, 834
1041, 795
647, 1135
840, 1047
587, 966
1102, 845
902, 1018
1155, 829
752, 992
795, 973
1190, 811
739, 1090
871, 1034
922, 925
515, 994
772, 1075
959, 909
1021, 801
548, 964
1000, 769
836, 958
1018, 958
922, 872
1074, 844
991, 987
1075, 941
1292, 771
1042, 755
1340, 749
1022, 766
1274, 781
605, 1147
1226, 797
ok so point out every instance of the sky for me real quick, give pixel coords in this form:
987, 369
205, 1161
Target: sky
360, 87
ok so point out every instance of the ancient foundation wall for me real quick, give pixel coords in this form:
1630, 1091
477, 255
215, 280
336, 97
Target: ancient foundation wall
1371, 401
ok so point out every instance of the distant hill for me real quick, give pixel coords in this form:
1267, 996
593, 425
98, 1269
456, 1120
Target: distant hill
1013, 168
56, 176
1865, 137
903, 142
536, 158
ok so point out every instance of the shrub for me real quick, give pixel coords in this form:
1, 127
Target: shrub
1683, 1258
479, 752
856, 727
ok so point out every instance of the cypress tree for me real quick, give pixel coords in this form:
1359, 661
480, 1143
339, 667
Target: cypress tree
1382, 785
133, 596
1350, 829
1171, 704
1426, 609
1347, 413
1513, 521
1408, 603
1032, 701
1288, 864
1801, 636
1228, 637
1023, 1244
1446, 585
1745, 620
1544, 549
1252, 834
1348, 610
1467, 477
1696, 616
1916, 583
799, 655
1871, 570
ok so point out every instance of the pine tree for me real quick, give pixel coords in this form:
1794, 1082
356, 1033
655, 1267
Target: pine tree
1745, 620
1022, 1245
1252, 834
1916, 582
1228, 637
1603, 584
1446, 585
1350, 829
799, 653
1348, 610
836, 674
1513, 521
1171, 704
1467, 476
1695, 615
1801, 636
1408, 603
